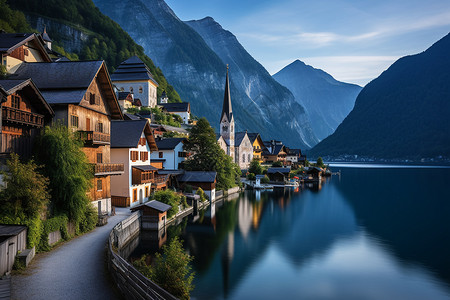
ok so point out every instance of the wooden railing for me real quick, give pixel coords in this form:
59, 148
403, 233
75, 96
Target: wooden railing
20, 116
95, 138
108, 169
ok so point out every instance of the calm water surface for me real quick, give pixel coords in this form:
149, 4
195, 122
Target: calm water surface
372, 233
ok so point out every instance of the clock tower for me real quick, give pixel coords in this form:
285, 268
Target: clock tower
227, 120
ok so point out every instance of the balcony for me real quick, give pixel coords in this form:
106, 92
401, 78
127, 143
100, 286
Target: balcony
15, 115
95, 138
108, 169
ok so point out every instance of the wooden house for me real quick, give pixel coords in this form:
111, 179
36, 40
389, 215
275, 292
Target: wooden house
274, 151
154, 214
170, 152
13, 238
17, 48
24, 112
83, 99
132, 143
258, 146
278, 174
200, 179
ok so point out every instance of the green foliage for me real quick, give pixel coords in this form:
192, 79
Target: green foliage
107, 40
171, 270
265, 179
58, 223
67, 168
171, 198
277, 164
60, 50
251, 176
208, 156
12, 20
3, 72
202, 194
166, 118
88, 220
188, 188
255, 167
319, 162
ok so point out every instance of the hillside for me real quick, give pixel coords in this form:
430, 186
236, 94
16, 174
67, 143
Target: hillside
326, 100
404, 113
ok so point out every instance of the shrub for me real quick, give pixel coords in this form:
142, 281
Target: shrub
251, 176
202, 195
255, 167
265, 179
171, 198
58, 223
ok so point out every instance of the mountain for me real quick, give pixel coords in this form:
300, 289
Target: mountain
326, 100
197, 71
404, 113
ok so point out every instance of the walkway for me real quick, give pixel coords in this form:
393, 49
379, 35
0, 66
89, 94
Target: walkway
75, 270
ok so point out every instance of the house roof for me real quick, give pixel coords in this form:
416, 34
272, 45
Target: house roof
146, 168
10, 230
123, 95
239, 137
278, 170
131, 117
253, 136
126, 134
11, 86
295, 152
67, 82
133, 69
169, 144
11, 41
198, 176
176, 107
159, 206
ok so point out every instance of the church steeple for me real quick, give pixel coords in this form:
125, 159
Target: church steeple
226, 108
227, 120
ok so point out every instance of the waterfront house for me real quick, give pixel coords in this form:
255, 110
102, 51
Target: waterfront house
154, 214
13, 238
83, 99
24, 112
182, 109
278, 174
243, 150
171, 152
258, 145
17, 48
295, 157
133, 76
132, 143
274, 151
200, 179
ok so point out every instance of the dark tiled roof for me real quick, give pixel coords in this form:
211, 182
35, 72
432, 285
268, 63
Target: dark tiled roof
10, 230
295, 152
198, 176
252, 137
126, 134
278, 170
8, 85
146, 168
133, 69
159, 206
123, 95
176, 107
169, 144
64, 96
238, 138
131, 117
10, 40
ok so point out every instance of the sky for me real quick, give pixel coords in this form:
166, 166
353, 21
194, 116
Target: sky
353, 40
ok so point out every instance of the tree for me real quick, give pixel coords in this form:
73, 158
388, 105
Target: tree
208, 156
319, 162
170, 198
277, 164
171, 270
255, 167
68, 170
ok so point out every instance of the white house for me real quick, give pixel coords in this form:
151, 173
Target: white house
182, 109
171, 151
132, 143
133, 76
243, 150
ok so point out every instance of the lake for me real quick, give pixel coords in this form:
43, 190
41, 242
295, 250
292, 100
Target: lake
374, 232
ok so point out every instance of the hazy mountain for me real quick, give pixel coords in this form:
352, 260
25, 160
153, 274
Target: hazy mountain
404, 113
198, 73
326, 100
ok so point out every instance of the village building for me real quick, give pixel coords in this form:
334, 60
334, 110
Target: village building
295, 158
17, 48
258, 146
164, 99
83, 99
199, 179
126, 100
13, 239
131, 144
244, 150
182, 109
154, 214
134, 76
274, 151
278, 174
171, 152
24, 112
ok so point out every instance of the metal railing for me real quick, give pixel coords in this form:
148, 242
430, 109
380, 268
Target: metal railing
21, 116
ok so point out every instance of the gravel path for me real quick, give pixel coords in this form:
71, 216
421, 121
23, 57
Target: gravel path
74, 270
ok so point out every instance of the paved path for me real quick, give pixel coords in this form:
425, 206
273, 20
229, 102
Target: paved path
75, 270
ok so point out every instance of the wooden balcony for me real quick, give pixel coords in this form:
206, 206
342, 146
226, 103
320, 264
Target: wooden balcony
95, 138
108, 169
18, 116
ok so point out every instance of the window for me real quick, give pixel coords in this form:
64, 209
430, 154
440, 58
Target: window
25, 52
146, 192
243, 157
249, 158
74, 121
161, 155
99, 185
91, 99
134, 155
144, 155
134, 195
182, 154
15, 101
99, 158
142, 141
99, 127
141, 90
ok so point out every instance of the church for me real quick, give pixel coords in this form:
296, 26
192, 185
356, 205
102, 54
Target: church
237, 145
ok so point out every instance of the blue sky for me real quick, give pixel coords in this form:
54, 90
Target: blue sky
353, 40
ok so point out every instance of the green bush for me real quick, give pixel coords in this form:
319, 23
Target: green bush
58, 223
171, 198
265, 179
202, 194
251, 176
89, 220
255, 167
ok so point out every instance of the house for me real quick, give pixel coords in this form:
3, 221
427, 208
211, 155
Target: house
164, 98
154, 214
182, 109
134, 76
200, 179
278, 174
274, 151
171, 151
82, 97
132, 143
13, 238
258, 145
24, 112
243, 150
17, 48
126, 99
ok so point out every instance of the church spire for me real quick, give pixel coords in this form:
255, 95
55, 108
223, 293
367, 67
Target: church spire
226, 109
